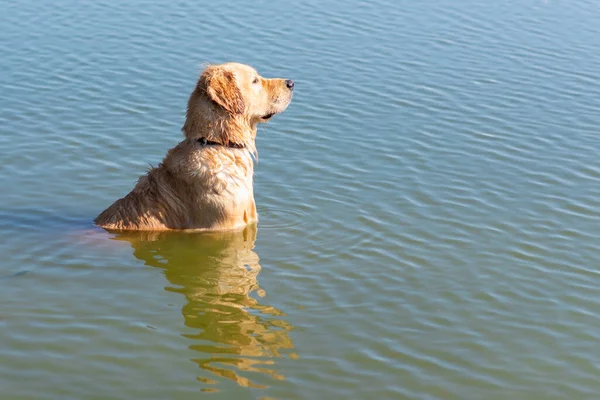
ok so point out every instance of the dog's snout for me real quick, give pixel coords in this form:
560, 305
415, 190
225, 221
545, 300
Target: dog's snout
290, 84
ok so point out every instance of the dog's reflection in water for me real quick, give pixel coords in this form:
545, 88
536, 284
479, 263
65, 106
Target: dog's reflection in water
217, 273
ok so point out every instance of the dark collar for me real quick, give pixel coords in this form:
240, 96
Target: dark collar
205, 142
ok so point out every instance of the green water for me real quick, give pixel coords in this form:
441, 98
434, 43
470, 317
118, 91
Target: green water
429, 203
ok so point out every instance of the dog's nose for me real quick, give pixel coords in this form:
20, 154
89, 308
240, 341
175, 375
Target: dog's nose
290, 84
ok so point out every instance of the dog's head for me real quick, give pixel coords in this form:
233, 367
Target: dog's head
231, 97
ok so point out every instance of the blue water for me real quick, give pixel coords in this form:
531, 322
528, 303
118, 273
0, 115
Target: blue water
429, 203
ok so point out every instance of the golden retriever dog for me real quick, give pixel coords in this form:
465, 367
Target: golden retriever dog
205, 182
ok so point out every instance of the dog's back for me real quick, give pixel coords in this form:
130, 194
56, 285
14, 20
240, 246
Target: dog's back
195, 187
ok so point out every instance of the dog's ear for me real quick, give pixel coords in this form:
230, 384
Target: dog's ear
220, 86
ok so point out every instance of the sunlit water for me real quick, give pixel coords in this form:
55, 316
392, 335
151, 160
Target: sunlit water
429, 203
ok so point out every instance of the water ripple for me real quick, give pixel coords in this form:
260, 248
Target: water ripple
428, 203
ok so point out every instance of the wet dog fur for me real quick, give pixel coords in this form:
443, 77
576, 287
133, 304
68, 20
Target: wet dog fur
206, 181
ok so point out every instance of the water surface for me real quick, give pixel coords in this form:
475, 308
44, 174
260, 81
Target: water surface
429, 203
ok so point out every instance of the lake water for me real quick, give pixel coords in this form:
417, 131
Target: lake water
429, 203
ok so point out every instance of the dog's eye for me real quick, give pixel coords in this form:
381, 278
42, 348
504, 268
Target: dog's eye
255, 81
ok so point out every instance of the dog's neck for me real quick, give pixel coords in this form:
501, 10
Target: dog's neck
226, 131
205, 142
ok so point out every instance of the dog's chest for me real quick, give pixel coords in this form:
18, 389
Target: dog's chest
226, 192
230, 176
